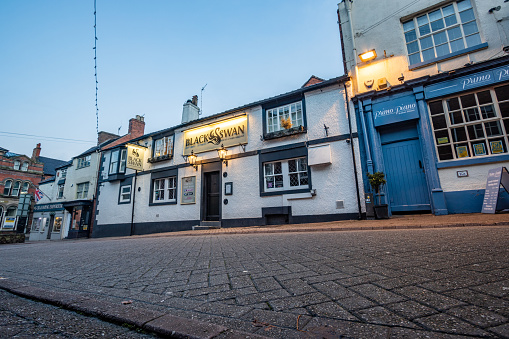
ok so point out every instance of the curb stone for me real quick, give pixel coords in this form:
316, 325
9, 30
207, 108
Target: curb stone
159, 323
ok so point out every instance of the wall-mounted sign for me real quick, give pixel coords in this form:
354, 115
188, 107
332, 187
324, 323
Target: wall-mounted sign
396, 110
230, 132
228, 188
49, 207
135, 156
9, 222
188, 193
462, 174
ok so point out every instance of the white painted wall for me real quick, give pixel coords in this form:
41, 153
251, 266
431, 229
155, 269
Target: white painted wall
476, 180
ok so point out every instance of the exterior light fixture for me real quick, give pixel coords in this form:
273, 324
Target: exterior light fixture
222, 154
191, 159
367, 56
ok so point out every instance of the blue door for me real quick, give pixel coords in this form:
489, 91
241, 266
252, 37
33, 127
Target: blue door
406, 180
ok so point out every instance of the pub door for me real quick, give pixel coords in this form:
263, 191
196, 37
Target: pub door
212, 196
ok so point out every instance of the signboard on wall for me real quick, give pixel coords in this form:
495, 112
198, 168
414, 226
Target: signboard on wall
396, 110
135, 155
188, 194
230, 132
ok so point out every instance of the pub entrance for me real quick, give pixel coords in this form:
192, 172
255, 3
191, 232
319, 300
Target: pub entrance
211, 194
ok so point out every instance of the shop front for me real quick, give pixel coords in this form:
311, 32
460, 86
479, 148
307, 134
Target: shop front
47, 222
80, 212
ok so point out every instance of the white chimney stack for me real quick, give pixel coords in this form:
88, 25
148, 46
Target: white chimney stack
191, 111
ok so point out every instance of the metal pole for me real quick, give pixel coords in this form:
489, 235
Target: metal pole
134, 196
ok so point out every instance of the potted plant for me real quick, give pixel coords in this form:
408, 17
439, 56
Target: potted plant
377, 180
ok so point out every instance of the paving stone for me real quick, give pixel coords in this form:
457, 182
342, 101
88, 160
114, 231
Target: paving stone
502, 330
411, 309
277, 318
497, 289
219, 308
494, 304
382, 316
432, 299
401, 281
359, 280
478, 316
355, 303
297, 287
298, 301
377, 294
331, 310
262, 297
445, 323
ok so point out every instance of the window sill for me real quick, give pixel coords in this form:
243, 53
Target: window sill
285, 132
124, 202
284, 192
448, 56
162, 203
473, 161
117, 176
161, 158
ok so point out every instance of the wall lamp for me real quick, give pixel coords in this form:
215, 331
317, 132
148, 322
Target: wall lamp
367, 56
191, 159
222, 154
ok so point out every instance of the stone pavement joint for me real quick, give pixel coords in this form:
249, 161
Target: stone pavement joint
159, 323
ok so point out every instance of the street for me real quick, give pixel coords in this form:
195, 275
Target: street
410, 283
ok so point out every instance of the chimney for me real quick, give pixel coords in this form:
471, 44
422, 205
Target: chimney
37, 152
136, 127
105, 136
191, 111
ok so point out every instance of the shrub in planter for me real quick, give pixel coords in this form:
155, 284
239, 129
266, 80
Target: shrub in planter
377, 180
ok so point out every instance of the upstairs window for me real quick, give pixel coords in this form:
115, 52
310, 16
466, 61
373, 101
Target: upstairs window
118, 161
25, 187
60, 193
284, 117
24, 167
83, 162
63, 173
17, 164
163, 146
440, 32
82, 190
16, 188
7, 187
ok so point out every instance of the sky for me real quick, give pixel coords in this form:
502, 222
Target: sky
152, 56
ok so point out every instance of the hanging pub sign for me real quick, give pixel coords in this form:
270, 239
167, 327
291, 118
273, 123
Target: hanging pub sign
135, 155
230, 132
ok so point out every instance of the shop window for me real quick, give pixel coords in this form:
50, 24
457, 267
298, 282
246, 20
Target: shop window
1, 213
83, 162
471, 125
17, 165
82, 190
36, 224
163, 147
11, 211
164, 190
284, 117
285, 174
7, 187
24, 167
25, 187
125, 194
15, 189
60, 193
57, 224
118, 161
436, 35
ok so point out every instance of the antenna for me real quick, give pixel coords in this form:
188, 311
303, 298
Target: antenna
118, 132
201, 99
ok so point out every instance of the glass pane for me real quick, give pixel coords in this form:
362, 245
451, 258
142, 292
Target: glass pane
504, 110
408, 25
410, 36
472, 114
470, 28
414, 58
468, 100
457, 45
479, 148
439, 121
442, 50
436, 107
437, 25
303, 166
294, 180
412, 47
278, 181
268, 169
448, 10
502, 93
442, 137
428, 54
475, 132
456, 118
269, 182
423, 30
467, 15
423, 19
304, 179
292, 167
277, 168
450, 20
435, 15
462, 151
488, 112
454, 33
497, 146
506, 125
445, 152
440, 38
484, 97
473, 40
458, 134
426, 43
453, 104
492, 128
462, 5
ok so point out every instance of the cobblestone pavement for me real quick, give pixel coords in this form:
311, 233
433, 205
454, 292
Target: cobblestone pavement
23, 318
414, 283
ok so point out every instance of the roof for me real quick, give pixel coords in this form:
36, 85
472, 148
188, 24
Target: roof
95, 148
67, 164
3, 149
313, 80
46, 181
50, 164
11, 155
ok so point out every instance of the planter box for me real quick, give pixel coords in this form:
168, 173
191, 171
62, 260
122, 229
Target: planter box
382, 211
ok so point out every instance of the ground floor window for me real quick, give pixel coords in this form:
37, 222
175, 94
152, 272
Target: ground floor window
165, 190
285, 174
471, 125
57, 224
125, 193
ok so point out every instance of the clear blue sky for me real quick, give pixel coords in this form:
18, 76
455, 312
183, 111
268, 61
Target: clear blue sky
153, 55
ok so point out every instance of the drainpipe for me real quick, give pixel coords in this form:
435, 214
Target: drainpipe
354, 48
342, 43
134, 196
353, 153
366, 141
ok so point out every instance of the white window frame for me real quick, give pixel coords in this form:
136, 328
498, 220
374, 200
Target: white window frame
8, 187
452, 27
163, 189
24, 166
470, 127
25, 187
60, 191
283, 179
114, 162
118, 165
83, 161
63, 173
163, 146
274, 115
16, 188
125, 193
17, 165
82, 190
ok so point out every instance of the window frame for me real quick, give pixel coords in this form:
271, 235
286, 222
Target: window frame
16, 188
84, 161
169, 141
121, 199
281, 103
17, 165
7, 187
27, 184
82, 194
24, 166
60, 191
164, 174
470, 130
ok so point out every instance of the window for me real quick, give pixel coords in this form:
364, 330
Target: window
24, 167
7, 187
15, 188
57, 224
16, 165
11, 211
118, 165
471, 125
63, 173
284, 117
285, 174
25, 187
60, 193
82, 191
163, 147
125, 194
83, 162
36, 224
442, 31
165, 190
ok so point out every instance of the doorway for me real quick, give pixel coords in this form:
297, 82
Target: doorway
50, 228
211, 196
